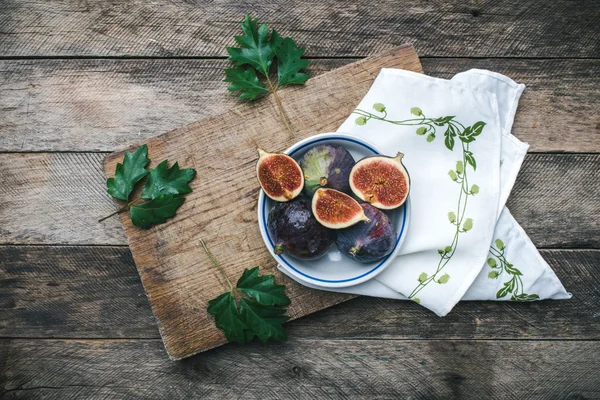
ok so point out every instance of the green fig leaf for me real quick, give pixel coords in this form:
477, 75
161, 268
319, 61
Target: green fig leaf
290, 62
127, 174
244, 80
155, 211
165, 180
262, 288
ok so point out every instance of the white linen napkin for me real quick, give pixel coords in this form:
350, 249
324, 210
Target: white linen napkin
462, 242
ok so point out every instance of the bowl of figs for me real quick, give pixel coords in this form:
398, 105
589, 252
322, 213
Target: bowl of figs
333, 210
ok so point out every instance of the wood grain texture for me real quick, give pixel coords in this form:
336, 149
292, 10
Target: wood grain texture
70, 187
101, 105
177, 277
514, 28
95, 292
332, 369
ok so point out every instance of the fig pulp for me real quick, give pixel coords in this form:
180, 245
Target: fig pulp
381, 181
279, 175
327, 166
296, 230
368, 242
336, 210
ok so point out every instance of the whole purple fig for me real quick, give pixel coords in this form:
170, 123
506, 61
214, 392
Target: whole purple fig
295, 230
326, 166
368, 241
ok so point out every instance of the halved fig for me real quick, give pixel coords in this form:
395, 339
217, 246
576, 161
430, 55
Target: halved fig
368, 242
279, 175
326, 165
381, 181
336, 210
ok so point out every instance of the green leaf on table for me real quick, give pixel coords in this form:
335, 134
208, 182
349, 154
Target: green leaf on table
156, 211
127, 174
228, 318
256, 49
165, 180
264, 321
262, 288
244, 80
289, 63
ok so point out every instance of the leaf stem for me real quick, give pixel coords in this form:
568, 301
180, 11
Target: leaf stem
120, 210
273, 90
214, 261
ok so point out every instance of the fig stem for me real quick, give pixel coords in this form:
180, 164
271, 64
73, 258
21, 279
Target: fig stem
273, 90
214, 261
120, 210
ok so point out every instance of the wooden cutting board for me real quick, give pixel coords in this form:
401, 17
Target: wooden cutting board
177, 276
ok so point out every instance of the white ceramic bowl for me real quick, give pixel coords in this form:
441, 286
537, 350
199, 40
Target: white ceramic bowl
334, 269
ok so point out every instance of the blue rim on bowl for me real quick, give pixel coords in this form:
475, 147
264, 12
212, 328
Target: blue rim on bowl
288, 262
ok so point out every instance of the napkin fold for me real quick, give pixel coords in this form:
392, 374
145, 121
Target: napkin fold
462, 242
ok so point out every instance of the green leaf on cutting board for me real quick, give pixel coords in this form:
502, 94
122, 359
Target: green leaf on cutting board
127, 174
165, 180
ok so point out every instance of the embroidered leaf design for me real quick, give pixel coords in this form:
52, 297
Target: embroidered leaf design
468, 225
360, 121
452, 175
379, 107
491, 262
470, 160
421, 131
449, 137
442, 121
422, 277
451, 217
444, 279
474, 189
417, 300
503, 292
525, 297
493, 275
478, 128
430, 137
460, 167
416, 111
499, 244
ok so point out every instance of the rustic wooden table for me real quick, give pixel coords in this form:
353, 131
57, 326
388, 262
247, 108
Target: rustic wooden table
80, 79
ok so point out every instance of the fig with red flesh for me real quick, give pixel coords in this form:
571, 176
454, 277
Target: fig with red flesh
326, 166
368, 242
381, 181
295, 230
336, 210
279, 175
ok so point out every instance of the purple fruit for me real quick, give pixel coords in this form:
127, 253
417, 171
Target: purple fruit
296, 230
326, 166
368, 241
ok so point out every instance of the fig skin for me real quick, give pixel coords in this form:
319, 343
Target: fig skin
368, 241
326, 166
295, 230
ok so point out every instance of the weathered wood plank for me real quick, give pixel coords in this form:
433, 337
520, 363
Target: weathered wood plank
336, 369
95, 292
57, 198
100, 105
514, 28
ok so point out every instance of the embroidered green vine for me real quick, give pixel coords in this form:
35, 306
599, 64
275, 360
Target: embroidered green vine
427, 127
514, 285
